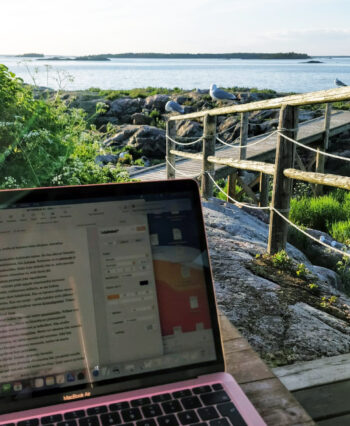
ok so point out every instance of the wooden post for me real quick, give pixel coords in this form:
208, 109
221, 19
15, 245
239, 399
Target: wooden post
281, 185
320, 159
209, 137
264, 190
231, 186
170, 131
243, 136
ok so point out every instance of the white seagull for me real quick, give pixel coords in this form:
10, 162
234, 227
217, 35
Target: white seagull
172, 106
339, 83
220, 95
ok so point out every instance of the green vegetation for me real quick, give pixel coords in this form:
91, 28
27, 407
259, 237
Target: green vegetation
224, 186
43, 142
329, 213
134, 93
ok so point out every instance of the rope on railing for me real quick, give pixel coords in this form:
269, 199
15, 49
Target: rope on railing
308, 235
185, 143
270, 208
179, 171
235, 201
249, 144
312, 149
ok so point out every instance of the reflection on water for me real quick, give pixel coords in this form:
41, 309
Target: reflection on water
279, 75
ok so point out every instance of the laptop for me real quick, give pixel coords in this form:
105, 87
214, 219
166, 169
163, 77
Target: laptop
107, 310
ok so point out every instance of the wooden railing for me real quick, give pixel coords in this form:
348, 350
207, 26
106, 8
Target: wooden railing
283, 170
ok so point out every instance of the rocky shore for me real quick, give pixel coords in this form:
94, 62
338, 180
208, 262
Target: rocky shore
282, 321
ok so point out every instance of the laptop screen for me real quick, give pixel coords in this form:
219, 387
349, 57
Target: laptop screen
96, 289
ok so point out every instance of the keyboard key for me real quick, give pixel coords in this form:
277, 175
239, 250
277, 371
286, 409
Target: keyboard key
67, 423
140, 401
229, 410
171, 407
151, 410
201, 389
162, 397
217, 386
89, 421
188, 417
149, 422
214, 397
182, 393
191, 402
30, 422
131, 414
167, 420
110, 419
70, 415
97, 410
51, 419
219, 422
119, 406
208, 413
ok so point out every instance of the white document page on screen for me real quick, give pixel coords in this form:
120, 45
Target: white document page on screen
45, 303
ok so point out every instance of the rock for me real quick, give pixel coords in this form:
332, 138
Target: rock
156, 102
269, 125
150, 140
317, 253
191, 130
281, 329
102, 160
123, 108
139, 119
306, 115
259, 116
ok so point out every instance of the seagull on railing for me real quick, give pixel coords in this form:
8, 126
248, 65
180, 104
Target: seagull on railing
172, 106
339, 83
220, 95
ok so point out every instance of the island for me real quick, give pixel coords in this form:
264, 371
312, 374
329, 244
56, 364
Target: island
76, 58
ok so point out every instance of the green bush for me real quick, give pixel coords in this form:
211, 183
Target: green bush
317, 213
43, 142
340, 231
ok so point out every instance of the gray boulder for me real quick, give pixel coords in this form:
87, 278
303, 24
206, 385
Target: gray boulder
102, 160
139, 119
124, 108
149, 139
282, 329
156, 102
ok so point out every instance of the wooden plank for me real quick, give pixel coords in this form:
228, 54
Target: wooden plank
276, 405
191, 155
247, 190
272, 400
321, 371
170, 165
310, 98
325, 401
264, 190
256, 166
209, 132
281, 186
320, 178
231, 187
335, 421
242, 155
323, 145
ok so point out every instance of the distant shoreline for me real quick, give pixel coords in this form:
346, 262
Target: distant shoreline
106, 57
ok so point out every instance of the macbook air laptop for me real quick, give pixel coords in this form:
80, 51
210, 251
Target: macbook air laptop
107, 310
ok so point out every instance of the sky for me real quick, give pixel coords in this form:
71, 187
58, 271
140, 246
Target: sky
82, 27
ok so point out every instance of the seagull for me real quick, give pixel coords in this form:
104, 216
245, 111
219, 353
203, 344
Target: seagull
172, 106
220, 95
339, 83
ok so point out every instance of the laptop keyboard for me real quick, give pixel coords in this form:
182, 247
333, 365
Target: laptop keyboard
202, 405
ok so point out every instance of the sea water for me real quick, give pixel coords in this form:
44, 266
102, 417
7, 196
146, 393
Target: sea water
280, 75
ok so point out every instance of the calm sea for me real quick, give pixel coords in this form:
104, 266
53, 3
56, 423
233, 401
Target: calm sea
280, 75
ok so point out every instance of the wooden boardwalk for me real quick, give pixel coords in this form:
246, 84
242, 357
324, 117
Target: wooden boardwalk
309, 131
